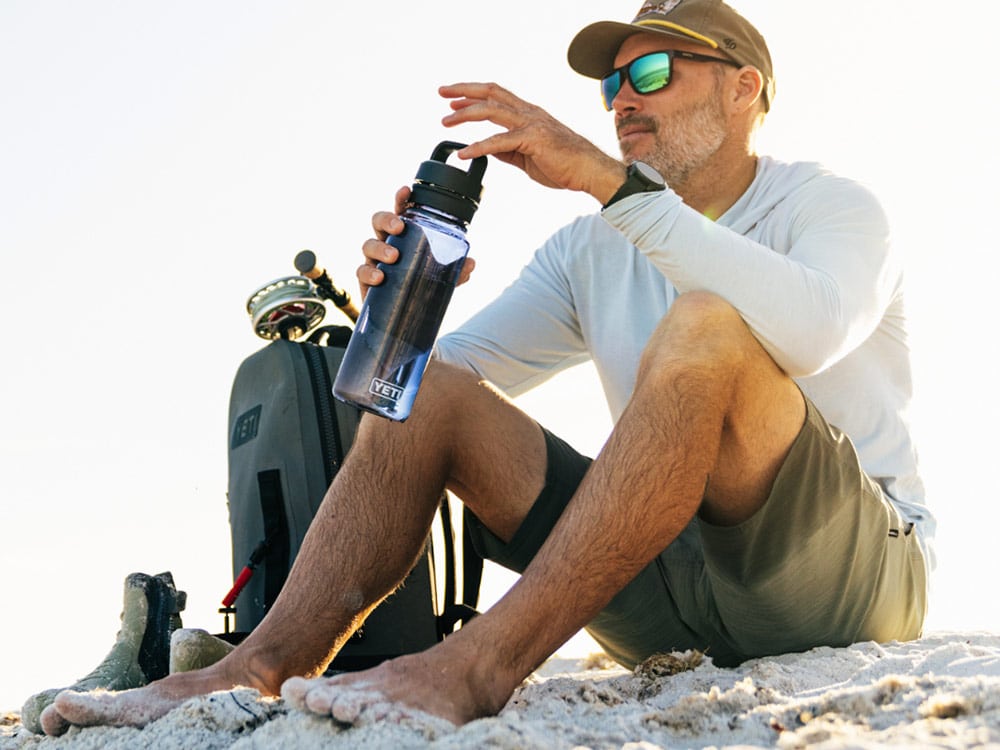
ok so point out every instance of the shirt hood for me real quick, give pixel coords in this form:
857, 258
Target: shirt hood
774, 181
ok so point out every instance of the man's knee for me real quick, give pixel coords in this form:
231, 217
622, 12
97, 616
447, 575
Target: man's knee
701, 329
443, 391
702, 306
434, 425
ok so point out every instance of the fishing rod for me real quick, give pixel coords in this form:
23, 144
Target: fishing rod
306, 264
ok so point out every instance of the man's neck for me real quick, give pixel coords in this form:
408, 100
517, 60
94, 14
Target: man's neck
713, 190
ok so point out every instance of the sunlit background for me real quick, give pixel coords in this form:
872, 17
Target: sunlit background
160, 161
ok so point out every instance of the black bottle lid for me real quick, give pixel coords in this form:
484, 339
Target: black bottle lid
447, 188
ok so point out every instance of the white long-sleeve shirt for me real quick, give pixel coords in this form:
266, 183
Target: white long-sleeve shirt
803, 255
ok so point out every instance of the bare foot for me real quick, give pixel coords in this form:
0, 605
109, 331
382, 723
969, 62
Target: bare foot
435, 682
128, 708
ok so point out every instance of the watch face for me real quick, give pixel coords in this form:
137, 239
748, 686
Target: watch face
640, 178
648, 173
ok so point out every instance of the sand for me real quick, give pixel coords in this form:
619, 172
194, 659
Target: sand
940, 691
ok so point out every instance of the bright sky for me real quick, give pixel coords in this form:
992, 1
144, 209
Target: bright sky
161, 161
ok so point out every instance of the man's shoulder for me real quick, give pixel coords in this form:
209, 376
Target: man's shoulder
807, 177
813, 188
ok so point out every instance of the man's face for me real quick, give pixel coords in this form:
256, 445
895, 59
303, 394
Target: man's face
679, 128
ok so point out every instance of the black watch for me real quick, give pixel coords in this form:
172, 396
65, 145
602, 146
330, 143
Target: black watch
639, 178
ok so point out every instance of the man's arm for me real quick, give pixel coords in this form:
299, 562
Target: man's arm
527, 334
808, 304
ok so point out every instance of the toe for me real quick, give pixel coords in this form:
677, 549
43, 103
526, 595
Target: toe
294, 690
348, 705
320, 700
31, 711
52, 722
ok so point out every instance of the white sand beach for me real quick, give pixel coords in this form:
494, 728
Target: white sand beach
940, 691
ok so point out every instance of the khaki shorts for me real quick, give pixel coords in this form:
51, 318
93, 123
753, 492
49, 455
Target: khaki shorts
827, 561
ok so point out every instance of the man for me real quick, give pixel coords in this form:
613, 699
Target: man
735, 310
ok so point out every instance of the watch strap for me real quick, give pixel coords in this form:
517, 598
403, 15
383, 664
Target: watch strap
635, 182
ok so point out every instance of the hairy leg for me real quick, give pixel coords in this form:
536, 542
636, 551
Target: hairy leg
462, 434
707, 429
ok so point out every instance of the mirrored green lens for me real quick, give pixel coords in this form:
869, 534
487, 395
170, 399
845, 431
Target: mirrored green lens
650, 73
647, 74
610, 87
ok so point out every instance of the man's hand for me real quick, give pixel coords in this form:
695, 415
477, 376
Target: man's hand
377, 250
548, 151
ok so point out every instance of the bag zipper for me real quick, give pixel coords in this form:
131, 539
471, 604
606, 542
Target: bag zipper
326, 419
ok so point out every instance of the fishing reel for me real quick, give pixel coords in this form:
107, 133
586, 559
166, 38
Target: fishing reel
293, 306
286, 308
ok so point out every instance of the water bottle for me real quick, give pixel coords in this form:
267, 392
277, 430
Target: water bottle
399, 321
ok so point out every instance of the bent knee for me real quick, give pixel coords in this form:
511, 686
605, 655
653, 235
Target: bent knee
702, 305
700, 326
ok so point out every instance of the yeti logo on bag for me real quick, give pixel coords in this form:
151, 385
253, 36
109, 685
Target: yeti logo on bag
385, 390
246, 426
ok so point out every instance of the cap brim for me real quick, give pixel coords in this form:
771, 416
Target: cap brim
592, 51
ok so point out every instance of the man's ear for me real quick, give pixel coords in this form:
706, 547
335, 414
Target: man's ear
748, 88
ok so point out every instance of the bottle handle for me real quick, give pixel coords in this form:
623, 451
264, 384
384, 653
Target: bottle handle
446, 148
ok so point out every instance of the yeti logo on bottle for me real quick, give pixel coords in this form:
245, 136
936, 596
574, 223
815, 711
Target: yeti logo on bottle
385, 390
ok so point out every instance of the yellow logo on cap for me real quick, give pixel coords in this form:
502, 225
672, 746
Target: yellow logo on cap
677, 27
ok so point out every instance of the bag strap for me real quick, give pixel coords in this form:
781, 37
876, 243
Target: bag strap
472, 573
331, 336
453, 611
276, 535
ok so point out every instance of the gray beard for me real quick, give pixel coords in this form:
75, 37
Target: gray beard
684, 143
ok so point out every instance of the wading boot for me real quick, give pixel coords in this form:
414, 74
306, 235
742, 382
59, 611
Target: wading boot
141, 653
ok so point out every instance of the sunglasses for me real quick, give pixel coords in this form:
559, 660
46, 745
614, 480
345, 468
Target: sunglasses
650, 73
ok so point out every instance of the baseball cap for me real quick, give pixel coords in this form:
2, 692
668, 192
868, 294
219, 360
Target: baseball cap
709, 22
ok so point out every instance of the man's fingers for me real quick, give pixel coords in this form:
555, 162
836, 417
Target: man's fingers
376, 251
481, 91
478, 102
386, 223
402, 198
507, 142
368, 276
467, 268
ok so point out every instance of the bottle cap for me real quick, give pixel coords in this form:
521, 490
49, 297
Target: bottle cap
447, 188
